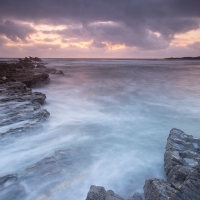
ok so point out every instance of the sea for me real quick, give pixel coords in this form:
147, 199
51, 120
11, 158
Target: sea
116, 115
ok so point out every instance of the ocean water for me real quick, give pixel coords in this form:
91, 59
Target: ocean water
116, 115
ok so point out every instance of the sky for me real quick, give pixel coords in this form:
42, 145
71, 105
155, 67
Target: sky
99, 28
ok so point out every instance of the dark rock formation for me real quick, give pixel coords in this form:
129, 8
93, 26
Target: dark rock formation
23, 72
27, 71
99, 193
35, 59
27, 59
157, 189
137, 196
182, 167
19, 104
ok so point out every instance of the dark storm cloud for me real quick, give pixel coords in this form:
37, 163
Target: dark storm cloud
115, 33
135, 19
15, 31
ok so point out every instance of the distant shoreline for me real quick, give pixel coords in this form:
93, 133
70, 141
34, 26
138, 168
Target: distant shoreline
184, 58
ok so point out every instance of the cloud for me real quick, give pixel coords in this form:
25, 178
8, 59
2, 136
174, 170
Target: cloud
141, 25
195, 45
14, 31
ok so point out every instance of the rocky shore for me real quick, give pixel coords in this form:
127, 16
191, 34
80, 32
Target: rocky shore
182, 167
21, 109
20, 106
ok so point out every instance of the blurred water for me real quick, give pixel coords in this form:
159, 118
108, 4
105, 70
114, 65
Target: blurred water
117, 114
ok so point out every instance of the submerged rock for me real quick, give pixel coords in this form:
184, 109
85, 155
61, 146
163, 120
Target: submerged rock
44, 178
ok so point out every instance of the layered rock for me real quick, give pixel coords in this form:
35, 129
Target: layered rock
17, 101
182, 168
19, 104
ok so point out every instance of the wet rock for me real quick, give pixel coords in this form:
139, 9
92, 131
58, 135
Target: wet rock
182, 167
181, 156
137, 196
157, 189
99, 193
18, 103
30, 73
44, 177
10, 188
23, 72
18, 92
19, 131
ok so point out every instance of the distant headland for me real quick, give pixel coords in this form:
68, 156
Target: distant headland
184, 58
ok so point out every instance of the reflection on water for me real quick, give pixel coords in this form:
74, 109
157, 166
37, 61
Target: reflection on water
117, 115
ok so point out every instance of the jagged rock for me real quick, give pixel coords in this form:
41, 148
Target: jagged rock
35, 59
26, 72
38, 59
27, 59
182, 167
17, 91
18, 103
181, 156
23, 72
157, 189
99, 193
137, 196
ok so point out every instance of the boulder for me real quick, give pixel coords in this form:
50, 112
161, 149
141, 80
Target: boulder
99, 193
